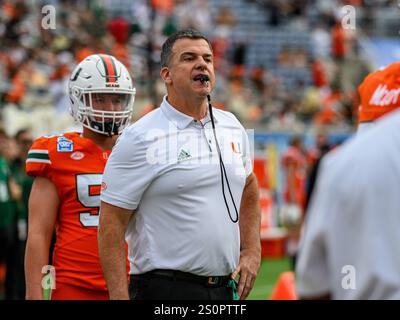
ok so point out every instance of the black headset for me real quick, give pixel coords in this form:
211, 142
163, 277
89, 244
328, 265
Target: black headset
204, 78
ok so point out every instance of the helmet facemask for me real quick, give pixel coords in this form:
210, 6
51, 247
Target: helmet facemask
107, 113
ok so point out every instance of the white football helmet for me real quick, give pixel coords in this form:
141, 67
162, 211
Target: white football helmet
101, 94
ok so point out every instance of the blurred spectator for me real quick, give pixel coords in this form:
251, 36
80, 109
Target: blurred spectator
119, 29
294, 163
284, 57
194, 14
220, 44
318, 74
225, 18
330, 112
338, 35
59, 80
321, 42
292, 57
274, 13
9, 193
163, 6
299, 57
82, 51
239, 59
257, 79
23, 140
322, 148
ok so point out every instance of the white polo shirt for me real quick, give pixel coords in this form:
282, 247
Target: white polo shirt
364, 127
351, 243
165, 166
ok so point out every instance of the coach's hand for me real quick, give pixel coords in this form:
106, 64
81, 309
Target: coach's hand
249, 263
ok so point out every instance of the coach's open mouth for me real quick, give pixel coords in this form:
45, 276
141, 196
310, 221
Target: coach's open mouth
200, 77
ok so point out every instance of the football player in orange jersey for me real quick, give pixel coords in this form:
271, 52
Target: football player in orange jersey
294, 195
66, 191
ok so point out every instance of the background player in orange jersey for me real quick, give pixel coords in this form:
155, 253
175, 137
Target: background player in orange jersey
294, 195
68, 171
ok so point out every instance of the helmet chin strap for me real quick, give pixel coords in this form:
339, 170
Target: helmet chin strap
108, 127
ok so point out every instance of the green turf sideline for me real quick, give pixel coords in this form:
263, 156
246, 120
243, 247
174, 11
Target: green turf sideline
267, 276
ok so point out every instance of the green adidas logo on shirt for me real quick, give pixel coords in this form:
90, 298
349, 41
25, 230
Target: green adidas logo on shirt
183, 154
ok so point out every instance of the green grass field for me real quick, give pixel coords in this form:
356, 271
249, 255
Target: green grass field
268, 275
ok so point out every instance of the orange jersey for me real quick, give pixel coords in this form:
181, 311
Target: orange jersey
75, 165
379, 93
293, 157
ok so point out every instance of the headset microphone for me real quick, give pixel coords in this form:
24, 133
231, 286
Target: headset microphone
203, 78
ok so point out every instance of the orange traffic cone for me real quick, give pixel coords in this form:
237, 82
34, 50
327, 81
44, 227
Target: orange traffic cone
285, 288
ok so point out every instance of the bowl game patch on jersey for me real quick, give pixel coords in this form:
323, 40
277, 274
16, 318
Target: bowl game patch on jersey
64, 145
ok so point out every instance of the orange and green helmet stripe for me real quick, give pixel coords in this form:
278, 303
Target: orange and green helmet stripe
109, 67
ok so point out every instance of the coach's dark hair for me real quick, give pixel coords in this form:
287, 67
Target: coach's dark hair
166, 50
